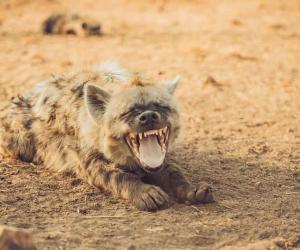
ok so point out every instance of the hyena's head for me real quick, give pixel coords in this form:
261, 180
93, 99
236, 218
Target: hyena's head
141, 121
71, 25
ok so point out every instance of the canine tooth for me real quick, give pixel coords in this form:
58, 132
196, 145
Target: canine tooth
161, 140
165, 129
136, 151
140, 136
166, 137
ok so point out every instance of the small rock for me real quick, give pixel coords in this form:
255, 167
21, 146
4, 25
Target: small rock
258, 184
265, 235
132, 247
294, 241
75, 182
14, 238
81, 210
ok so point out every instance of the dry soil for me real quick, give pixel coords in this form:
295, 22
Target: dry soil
240, 105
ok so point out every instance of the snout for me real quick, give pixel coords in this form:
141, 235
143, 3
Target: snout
149, 118
149, 140
94, 29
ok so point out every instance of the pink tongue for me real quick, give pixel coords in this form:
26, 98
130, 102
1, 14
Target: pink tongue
150, 152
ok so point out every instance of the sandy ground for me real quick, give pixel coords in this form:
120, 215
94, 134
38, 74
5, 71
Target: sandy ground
240, 102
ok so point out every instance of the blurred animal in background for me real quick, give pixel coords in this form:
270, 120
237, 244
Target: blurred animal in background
71, 24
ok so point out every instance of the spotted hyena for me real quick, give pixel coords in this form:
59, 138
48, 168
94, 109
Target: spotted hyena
110, 127
71, 24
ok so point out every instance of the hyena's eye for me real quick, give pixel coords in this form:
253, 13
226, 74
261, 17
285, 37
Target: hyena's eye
130, 112
161, 107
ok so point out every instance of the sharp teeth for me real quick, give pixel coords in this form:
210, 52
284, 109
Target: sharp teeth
152, 132
166, 137
160, 132
165, 129
136, 151
161, 140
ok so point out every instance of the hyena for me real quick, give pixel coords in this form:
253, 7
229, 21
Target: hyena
71, 24
110, 127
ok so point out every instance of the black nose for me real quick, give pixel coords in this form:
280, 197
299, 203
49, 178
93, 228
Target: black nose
95, 28
148, 117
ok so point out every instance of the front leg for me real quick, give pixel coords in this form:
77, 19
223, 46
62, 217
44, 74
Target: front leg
128, 186
172, 180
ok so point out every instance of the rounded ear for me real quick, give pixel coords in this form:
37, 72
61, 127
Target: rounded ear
172, 84
95, 100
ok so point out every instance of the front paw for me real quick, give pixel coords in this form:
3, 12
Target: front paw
150, 198
201, 194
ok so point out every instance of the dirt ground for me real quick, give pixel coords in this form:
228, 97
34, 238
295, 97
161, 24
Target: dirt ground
240, 104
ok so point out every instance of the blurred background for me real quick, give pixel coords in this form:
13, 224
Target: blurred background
240, 102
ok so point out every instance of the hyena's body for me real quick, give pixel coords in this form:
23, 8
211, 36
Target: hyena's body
88, 123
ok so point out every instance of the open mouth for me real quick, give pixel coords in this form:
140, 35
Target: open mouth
149, 147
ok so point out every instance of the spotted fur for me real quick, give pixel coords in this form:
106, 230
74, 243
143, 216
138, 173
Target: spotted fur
77, 122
